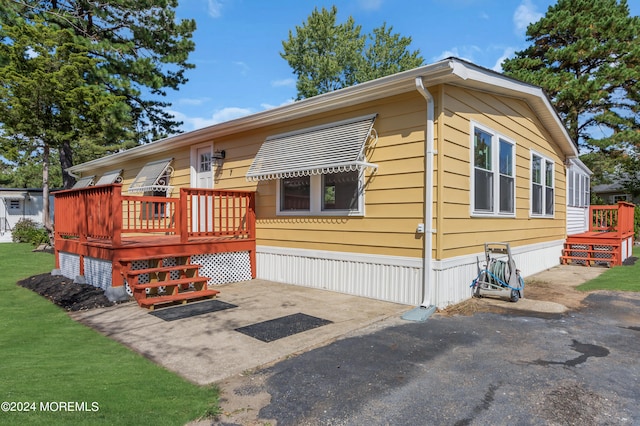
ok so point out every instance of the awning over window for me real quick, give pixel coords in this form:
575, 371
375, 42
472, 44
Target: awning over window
152, 177
84, 182
331, 148
110, 177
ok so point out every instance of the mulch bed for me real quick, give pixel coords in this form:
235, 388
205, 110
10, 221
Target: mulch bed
65, 293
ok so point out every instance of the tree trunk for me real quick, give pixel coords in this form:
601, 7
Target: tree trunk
46, 215
66, 161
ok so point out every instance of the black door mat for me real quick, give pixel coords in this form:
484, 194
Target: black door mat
275, 329
191, 310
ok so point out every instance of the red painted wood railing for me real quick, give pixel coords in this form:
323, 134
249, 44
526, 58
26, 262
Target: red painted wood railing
103, 213
615, 218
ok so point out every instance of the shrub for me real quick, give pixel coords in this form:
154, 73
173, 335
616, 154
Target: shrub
28, 231
636, 221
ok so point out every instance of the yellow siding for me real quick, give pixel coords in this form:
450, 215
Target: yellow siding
458, 232
394, 193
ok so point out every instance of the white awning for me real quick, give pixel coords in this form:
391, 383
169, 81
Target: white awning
110, 177
84, 182
152, 177
331, 148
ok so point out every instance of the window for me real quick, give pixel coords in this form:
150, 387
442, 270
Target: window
337, 194
319, 170
156, 210
570, 188
493, 176
587, 193
542, 186
14, 205
295, 194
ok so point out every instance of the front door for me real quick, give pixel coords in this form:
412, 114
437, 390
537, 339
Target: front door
204, 169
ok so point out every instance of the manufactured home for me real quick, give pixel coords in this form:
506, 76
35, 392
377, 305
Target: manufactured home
387, 189
18, 204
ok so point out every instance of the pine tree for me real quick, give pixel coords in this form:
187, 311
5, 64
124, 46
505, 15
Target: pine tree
586, 55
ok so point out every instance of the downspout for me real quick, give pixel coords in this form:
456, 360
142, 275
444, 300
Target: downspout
426, 308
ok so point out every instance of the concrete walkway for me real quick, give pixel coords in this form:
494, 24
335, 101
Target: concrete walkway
206, 348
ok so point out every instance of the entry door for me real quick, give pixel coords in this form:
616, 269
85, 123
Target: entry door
202, 205
204, 169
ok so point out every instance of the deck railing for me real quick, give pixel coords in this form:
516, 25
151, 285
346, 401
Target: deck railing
614, 218
103, 213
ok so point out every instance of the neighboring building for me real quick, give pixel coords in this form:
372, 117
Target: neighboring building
387, 189
17, 204
611, 193
578, 197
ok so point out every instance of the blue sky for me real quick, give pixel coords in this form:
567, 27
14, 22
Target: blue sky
239, 70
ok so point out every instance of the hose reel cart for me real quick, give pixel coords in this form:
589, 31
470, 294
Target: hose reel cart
500, 277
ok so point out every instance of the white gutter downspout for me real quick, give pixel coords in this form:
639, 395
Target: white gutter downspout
426, 309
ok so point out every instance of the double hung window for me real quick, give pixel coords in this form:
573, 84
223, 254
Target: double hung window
542, 186
493, 175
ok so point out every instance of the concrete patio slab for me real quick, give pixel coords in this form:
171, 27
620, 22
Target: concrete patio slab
206, 348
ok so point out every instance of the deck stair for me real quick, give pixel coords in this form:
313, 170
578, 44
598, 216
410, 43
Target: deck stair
165, 280
588, 252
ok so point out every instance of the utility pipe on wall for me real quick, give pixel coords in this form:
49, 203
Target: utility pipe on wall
428, 196
426, 308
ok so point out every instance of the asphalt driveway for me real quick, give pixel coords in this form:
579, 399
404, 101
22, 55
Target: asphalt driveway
521, 368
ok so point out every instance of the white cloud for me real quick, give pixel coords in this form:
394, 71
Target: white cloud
370, 4
269, 106
524, 15
465, 53
285, 82
215, 8
508, 52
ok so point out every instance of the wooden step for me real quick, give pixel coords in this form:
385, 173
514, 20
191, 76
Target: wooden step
188, 267
151, 302
170, 283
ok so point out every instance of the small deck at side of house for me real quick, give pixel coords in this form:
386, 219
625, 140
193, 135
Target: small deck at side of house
609, 240
174, 240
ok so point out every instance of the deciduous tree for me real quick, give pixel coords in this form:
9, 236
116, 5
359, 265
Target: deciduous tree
327, 56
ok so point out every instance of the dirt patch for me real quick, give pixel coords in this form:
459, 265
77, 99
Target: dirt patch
560, 292
65, 293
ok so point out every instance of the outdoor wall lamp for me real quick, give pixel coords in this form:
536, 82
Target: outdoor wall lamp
219, 155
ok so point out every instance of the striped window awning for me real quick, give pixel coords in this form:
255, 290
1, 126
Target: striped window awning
84, 182
152, 177
332, 148
110, 177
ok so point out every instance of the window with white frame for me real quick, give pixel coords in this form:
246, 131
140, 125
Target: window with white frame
14, 205
577, 189
542, 186
493, 188
327, 194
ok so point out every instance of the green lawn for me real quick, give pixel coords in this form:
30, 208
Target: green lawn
47, 358
620, 278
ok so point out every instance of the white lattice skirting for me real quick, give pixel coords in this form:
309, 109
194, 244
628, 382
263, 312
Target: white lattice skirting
220, 268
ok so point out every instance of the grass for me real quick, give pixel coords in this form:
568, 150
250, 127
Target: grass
620, 278
46, 357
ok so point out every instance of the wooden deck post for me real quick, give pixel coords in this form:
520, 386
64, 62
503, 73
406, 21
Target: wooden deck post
116, 214
182, 217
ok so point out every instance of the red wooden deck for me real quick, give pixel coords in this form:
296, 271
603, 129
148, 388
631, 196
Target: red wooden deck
608, 240
102, 223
